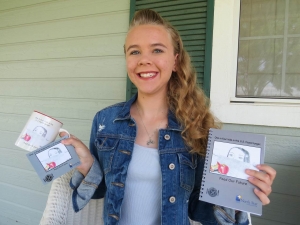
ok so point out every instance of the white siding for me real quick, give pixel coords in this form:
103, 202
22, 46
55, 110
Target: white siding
65, 59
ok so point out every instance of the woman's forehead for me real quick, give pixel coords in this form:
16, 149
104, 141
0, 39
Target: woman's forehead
148, 32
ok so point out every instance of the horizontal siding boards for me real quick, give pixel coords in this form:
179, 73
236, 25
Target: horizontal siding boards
11, 213
287, 180
259, 221
91, 46
189, 18
29, 179
23, 197
283, 209
14, 157
59, 10
13, 4
283, 150
79, 88
65, 59
89, 67
5, 220
84, 109
74, 27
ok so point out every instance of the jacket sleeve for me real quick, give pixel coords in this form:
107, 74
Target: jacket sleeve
84, 187
90, 186
207, 213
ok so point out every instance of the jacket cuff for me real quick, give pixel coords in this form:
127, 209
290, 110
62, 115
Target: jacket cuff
84, 189
227, 216
76, 179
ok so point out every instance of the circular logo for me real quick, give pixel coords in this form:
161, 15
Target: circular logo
213, 192
48, 178
238, 198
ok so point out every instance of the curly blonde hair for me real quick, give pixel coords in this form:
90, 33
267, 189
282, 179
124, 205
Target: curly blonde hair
185, 99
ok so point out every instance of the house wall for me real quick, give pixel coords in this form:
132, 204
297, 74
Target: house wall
65, 59
283, 154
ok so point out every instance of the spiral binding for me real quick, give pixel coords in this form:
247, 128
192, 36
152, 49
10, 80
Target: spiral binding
206, 162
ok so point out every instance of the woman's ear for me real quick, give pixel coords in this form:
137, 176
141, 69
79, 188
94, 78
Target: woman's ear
175, 63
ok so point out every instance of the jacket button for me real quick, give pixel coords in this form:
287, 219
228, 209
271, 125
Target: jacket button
167, 137
172, 199
172, 166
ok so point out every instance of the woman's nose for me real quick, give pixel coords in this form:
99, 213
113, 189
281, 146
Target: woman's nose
144, 60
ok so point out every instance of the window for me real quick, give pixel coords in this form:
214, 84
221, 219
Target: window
269, 49
272, 95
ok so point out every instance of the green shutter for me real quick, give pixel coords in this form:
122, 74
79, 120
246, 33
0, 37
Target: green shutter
194, 21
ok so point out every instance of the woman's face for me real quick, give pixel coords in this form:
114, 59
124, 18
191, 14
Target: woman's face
236, 153
150, 58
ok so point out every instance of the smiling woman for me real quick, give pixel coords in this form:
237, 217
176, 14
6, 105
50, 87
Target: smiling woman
154, 143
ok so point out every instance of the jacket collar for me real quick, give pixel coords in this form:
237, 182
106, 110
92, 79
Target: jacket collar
125, 114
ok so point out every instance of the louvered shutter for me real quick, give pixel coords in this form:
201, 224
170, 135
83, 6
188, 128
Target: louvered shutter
193, 19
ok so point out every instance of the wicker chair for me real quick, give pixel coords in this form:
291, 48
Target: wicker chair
59, 210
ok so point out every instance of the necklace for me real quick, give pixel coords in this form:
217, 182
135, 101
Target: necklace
150, 141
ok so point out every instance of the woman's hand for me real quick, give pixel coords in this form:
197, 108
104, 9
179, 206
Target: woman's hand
82, 151
263, 179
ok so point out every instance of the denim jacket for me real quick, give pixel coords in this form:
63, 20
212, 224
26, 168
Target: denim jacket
111, 143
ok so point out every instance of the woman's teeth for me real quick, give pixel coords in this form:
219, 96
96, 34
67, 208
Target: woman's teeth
145, 75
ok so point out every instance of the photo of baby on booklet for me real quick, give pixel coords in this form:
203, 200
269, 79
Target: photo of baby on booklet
54, 157
232, 159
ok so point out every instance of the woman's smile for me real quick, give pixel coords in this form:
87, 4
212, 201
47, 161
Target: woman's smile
147, 74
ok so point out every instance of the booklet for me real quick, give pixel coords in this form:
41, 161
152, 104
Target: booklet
224, 180
53, 160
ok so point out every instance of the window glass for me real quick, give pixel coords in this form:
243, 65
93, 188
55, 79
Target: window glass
269, 49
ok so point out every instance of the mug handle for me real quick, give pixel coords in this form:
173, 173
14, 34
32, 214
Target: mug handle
63, 130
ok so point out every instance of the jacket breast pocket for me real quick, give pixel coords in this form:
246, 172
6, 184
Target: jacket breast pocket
187, 171
106, 146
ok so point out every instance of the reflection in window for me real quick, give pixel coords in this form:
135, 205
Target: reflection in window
269, 49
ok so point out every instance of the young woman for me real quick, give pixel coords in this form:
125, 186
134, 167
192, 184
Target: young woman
146, 155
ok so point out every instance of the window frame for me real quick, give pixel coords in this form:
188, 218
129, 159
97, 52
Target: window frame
227, 107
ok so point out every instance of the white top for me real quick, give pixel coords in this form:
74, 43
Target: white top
142, 198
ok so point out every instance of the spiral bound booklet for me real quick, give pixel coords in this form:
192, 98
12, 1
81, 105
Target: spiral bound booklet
224, 180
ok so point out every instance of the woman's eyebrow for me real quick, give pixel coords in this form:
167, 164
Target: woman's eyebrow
131, 46
158, 44
152, 45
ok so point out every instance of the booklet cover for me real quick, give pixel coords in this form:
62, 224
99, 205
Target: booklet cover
53, 160
224, 180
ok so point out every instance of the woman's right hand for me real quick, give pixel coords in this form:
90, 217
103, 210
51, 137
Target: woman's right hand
82, 151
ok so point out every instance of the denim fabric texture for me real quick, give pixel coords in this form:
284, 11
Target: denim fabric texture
111, 143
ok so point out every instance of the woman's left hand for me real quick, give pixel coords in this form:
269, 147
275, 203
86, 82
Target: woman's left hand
263, 179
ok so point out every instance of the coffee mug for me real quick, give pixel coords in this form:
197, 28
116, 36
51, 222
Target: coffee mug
39, 130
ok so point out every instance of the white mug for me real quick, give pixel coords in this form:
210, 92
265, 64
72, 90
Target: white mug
39, 130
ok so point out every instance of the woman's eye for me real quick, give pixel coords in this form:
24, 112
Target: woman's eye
157, 51
135, 52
